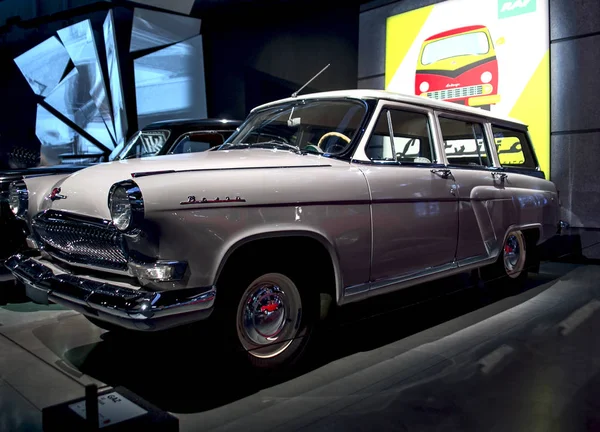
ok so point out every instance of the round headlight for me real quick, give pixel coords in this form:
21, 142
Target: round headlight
120, 208
18, 198
424, 86
126, 205
486, 77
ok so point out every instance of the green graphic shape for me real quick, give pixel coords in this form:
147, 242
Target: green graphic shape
511, 8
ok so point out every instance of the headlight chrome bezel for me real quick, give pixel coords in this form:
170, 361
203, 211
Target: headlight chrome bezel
18, 199
135, 201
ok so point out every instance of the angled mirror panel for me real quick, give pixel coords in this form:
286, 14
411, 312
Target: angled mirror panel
80, 43
72, 99
115, 81
169, 83
59, 142
154, 29
179, 6
44, 65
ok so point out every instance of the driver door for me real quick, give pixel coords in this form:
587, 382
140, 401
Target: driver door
414, 204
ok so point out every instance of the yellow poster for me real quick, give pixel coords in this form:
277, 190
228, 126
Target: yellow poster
489, 54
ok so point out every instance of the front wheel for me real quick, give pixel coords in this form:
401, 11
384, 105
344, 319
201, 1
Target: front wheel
268, 316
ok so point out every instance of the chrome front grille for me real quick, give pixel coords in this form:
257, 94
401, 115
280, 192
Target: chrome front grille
90, 242
454, 93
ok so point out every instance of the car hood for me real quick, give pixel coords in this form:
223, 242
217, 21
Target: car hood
85, 192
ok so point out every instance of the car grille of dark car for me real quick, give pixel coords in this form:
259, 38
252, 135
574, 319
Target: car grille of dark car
90, 242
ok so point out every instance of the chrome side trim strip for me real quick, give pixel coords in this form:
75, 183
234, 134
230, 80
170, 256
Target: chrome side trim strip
357, 292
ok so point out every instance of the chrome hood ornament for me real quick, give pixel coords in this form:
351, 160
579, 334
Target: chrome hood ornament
55, 195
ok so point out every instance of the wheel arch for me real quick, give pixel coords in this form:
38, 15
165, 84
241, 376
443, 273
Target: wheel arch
263, 239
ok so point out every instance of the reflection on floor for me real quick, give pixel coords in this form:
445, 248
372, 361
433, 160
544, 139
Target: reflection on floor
443, 356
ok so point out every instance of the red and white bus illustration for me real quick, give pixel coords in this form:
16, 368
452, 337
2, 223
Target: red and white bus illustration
460, 66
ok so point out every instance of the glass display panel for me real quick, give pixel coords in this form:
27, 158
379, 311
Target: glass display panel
154, 29
44, 65
58, 141
169, 83
80, 43
72, 99
115, 81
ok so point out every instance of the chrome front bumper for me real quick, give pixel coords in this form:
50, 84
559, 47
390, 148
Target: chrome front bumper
112, 302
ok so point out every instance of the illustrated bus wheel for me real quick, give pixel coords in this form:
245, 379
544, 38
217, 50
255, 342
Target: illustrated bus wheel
510, 267
270, 318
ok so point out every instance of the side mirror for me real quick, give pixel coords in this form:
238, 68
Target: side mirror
501, 41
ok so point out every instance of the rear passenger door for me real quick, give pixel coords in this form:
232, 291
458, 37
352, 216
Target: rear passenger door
482, 203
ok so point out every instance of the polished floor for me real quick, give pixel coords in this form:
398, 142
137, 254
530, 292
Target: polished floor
448, 356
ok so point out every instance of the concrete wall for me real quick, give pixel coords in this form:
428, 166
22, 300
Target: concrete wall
575, 86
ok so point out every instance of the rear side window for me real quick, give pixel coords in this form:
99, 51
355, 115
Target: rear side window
464, 143
514, 148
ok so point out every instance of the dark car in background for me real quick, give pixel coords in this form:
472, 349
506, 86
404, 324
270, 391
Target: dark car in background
159, 138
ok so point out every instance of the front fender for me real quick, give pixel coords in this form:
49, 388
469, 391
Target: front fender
248, 237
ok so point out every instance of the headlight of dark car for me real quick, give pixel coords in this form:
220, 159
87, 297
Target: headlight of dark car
18, 198
126, 205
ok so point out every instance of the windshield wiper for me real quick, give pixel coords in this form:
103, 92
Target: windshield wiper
135, 156
265, 144
277, 145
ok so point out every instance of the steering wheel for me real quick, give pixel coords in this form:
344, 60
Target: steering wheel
333, 134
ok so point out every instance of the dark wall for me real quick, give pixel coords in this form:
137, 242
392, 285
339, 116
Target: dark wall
255, 55
575, 140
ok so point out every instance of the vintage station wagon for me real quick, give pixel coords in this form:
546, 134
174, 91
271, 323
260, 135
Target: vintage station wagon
315, 201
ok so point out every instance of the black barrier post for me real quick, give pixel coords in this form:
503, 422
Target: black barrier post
91, 407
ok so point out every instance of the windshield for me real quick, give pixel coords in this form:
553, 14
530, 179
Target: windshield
142, 144
314, 126
460, 45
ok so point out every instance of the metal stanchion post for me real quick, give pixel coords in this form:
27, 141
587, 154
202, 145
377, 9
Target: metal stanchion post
91, 407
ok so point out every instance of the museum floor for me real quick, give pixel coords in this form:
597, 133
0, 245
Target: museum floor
446, 356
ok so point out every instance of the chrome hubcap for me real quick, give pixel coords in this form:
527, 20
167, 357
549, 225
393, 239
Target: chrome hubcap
269, 315
514, 254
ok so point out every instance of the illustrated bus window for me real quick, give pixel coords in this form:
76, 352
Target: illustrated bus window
411, 142
464, 143
513, 148
461, 45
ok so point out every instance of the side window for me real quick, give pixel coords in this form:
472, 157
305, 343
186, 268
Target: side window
401, 136
514, 148
197, 142
464, 143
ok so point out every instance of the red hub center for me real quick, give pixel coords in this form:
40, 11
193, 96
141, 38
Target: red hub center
271, 307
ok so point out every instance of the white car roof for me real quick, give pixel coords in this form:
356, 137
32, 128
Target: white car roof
398, 97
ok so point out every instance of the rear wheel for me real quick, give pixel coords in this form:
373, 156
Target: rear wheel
510, 267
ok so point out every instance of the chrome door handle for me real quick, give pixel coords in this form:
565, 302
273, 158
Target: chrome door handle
443, 172
500, 175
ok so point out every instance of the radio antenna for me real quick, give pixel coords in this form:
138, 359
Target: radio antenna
309, 81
